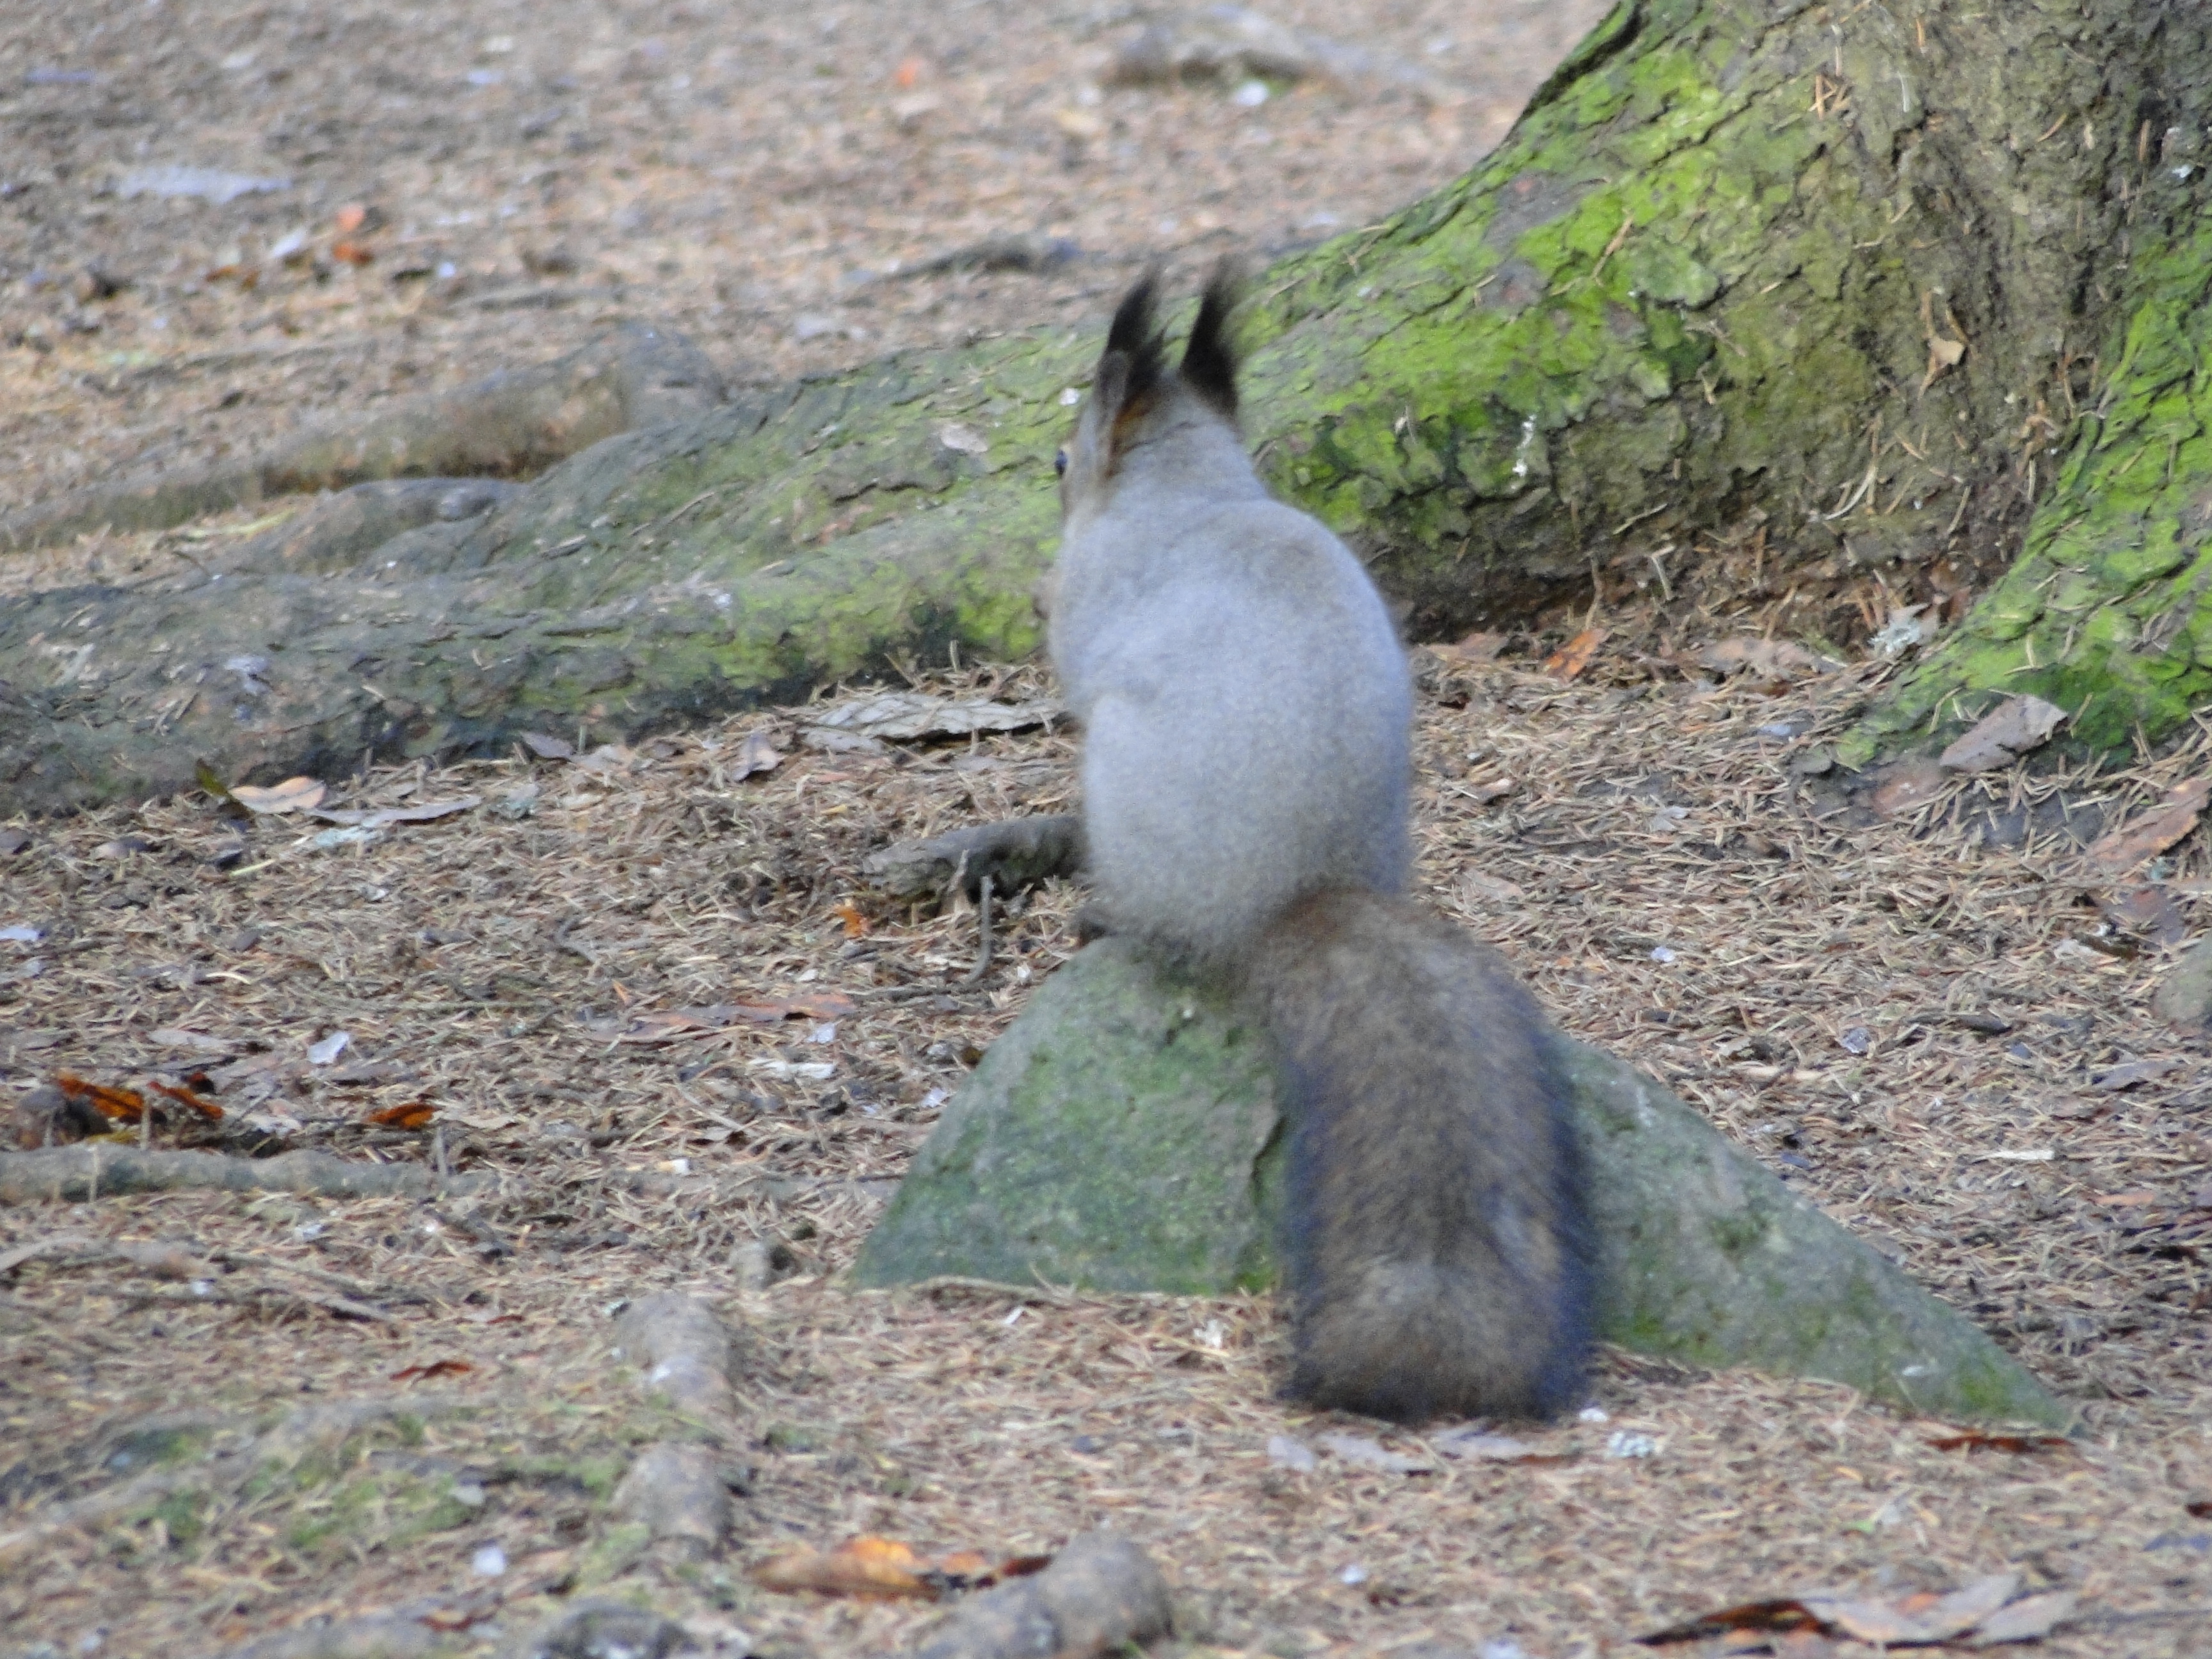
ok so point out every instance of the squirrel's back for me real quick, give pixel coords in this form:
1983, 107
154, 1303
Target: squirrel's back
1244, 694
1247, 715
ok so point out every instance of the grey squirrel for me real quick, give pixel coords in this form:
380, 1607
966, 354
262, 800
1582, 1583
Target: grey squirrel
1246, 710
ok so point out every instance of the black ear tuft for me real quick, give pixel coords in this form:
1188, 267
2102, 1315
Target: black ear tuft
1209, 360
1136, 340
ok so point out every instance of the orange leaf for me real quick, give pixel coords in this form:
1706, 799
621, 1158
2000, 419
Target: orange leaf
408, 1114
124, 1105
856, 924
435, 1368
351, 217
1570, 659
206, 1109
352, 252
859, 1566
1974, 1440
907, 74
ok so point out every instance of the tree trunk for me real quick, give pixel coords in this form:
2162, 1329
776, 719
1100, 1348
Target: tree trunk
1799, 311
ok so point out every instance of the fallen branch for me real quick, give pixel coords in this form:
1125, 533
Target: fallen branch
508, 424
77, 1173
1016, 853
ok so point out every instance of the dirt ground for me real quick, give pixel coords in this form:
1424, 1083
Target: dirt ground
291, 1410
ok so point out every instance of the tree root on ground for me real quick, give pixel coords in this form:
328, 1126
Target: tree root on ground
508, 424
1015, 853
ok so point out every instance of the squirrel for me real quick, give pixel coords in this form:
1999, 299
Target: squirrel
1246, 708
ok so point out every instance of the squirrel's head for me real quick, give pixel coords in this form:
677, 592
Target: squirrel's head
1133, 397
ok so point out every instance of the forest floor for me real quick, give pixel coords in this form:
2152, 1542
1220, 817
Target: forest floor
310, 1408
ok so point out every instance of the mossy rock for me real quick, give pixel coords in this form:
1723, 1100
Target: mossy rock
1122, 1135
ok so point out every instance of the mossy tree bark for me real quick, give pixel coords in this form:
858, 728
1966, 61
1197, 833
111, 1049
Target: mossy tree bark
1827, 305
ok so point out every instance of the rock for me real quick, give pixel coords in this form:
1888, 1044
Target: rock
2185, 996
607, 1630
1122, 1135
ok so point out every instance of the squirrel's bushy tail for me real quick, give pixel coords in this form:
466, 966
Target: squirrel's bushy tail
1439, 1254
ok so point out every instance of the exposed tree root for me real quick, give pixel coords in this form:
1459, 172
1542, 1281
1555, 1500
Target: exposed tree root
1101, 1595
76, 1173
1014, 853
508, 424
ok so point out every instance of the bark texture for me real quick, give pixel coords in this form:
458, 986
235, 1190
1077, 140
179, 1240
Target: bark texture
1813, 308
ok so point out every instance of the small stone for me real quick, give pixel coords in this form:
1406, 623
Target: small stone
2185, 1000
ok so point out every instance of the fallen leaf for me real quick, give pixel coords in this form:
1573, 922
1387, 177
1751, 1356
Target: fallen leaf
206, 1109
2001, 737
435, 1368
1475, 1443
1370, 1454
906, 715
169, 1037
410, 1115
1946, 1616
860, 1567
1570, 659
120, 1105
1787, 1614
350, 217
1908, 785
908, 72
758, 753
1771, 659
856, 924
352, 253
2127, 1075
1478, 647
2173, 818
423, 812
2020, 1445
2150, 910
293, 795
2026, 1620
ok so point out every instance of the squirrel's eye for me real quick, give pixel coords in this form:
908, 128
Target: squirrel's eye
1059, 463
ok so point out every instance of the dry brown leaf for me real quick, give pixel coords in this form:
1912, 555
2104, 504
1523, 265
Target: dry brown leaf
1908, 787
758, 753
1786, 1614
1478, 647
120, 1105
856, 924
206, 1109
2173, 818
1370, 1454
421, 813
434, 1368
293, 795
410, 1115
2026, 1619
1974, 1440
1570, 659
860, 1567
2001, 737
1773, 660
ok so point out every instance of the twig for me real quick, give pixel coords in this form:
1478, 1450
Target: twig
983, 928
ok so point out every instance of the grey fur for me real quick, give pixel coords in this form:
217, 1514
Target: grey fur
1247, 712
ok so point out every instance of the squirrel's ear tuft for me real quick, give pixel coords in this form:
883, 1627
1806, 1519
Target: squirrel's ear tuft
1209, 360
1134, 338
